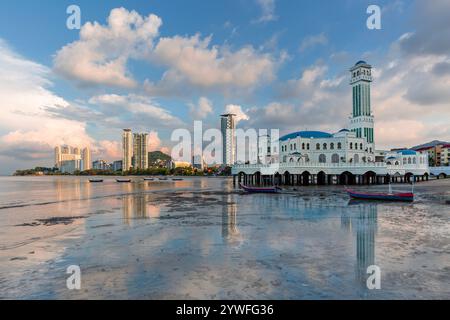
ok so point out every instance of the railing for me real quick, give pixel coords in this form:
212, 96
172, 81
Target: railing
312, 165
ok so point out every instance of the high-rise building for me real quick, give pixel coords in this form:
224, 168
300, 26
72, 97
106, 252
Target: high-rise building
362, 119
100, 165
57, 156
86, 159
228, 128
127, 149
140, 150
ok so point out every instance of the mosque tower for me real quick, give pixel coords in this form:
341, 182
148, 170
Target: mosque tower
362, 120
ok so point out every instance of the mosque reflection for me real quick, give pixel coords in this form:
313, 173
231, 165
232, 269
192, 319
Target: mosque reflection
362, 221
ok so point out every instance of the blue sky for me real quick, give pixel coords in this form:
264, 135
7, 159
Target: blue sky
278, 63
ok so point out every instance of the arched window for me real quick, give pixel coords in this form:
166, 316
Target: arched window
361, 146
318, 146
324, 146
332, 146
356, 146
335, 158
414, 161
397, 163
339, 146
351, 145
303, 146
322, 158
404, 160
356, 159
307, 146
409, 160
291, 160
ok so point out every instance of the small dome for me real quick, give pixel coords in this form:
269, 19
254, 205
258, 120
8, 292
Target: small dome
344, 130
360, 62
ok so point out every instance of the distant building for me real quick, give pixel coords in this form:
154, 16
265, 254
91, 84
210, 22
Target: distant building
445, 155
228, 127
70, 166
100, 165
198, 162
140, 150
127, 149
117, 165
65, 154
180, 164
86, 159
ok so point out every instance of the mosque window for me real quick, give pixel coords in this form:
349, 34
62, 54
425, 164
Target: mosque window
318, 146
295, 146
324, 146
332, 146
414, 161
307, 146
361, 146
303, 146
351, 145
322, 158
404, 160
356, 146
409, 160
335, 158
339, 146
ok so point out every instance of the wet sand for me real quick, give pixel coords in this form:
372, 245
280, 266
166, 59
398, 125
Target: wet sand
202, 239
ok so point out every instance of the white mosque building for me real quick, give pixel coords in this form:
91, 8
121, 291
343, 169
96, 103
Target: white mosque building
348, 156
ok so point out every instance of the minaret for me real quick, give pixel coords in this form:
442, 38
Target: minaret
362, 120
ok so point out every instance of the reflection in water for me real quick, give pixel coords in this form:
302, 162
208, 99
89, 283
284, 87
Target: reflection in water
364, 223
230, 231
136, 205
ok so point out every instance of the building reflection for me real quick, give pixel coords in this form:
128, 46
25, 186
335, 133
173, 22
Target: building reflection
230, 232
136, 205
363, 223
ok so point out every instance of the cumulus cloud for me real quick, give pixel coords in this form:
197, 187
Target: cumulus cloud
202, 109
27, 130
237, 110
267, 11
101, 54
312, 41
194, 62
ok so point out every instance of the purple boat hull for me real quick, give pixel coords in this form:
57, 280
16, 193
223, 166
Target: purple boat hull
405, 197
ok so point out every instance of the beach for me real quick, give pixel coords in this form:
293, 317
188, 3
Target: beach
201, 238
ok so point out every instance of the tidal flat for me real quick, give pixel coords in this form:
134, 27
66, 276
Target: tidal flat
201, 238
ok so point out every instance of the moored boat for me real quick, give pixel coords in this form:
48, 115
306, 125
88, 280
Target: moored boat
123, 180
95, 180
406, 197
177, 179
149, 179
260, 190
163, 179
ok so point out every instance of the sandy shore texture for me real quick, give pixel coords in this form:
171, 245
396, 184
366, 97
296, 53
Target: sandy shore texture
202, 239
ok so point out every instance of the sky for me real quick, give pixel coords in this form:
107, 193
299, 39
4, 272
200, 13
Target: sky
158, 65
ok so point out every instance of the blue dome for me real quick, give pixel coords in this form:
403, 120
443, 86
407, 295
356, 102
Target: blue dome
360, 62
307, 135
344, 130
407, 152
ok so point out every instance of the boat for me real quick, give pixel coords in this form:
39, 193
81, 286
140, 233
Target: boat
149, 179
405, 197
260, 190
163, 179
177, 179
123, 180
95, 180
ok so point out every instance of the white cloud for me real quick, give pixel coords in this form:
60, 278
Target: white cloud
194, 62
267, 11
202, 109
237, 110
101, 54
27, 131
312, 41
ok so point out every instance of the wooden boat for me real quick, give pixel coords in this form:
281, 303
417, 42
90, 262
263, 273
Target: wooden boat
406, 197
95, 180
177, 179
163, 179
123, 180
149, 179
260, 190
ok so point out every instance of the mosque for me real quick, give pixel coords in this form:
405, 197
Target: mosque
347, 156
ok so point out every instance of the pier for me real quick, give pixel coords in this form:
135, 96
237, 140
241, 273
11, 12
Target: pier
293, 174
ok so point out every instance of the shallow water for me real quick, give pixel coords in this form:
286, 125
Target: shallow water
201, 239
